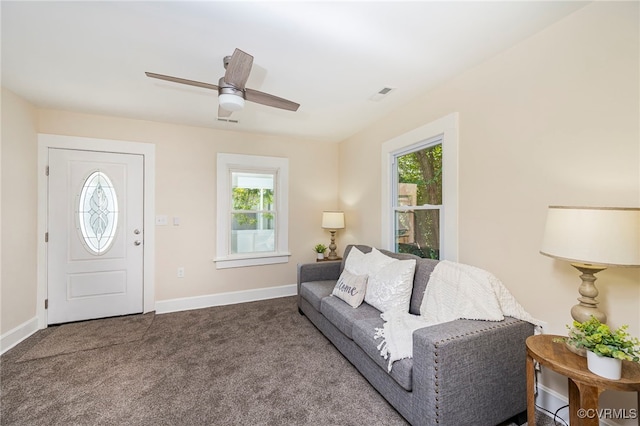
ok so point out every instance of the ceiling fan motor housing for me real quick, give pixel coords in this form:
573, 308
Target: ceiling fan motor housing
230, 98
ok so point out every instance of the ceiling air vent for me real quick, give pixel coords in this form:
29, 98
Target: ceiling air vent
381, 93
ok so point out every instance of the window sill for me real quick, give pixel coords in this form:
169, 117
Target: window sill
240, 261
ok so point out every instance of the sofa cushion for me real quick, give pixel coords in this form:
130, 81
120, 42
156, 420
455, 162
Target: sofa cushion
424, 268
343, 316
363, 332
314, 291
350, 288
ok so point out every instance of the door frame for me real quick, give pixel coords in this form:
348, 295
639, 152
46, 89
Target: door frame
148, 152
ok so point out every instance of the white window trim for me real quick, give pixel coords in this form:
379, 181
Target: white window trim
226, 162
447, 128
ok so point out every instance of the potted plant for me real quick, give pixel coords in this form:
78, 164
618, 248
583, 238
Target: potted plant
606, 349
320, 249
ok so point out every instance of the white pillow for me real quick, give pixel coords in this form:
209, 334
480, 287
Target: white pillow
355, 262
366, 264
390, 287
350, 288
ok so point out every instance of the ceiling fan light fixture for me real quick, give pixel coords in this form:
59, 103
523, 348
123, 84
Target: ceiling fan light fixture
231, 102
231, 87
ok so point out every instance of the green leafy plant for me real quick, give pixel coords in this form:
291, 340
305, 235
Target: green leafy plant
600, 339
320, 248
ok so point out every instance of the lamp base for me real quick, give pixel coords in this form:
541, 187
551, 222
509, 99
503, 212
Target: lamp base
588, 305
332, 247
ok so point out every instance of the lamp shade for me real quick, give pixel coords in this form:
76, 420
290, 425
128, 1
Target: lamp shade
333, 220
593, 235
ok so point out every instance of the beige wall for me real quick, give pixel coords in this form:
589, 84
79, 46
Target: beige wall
19, 199
185, 188
553, 120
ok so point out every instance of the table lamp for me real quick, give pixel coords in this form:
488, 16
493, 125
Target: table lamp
332, 220
592, 239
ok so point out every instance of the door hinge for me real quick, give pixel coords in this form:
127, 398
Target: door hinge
46, 303
46, 171
46, 237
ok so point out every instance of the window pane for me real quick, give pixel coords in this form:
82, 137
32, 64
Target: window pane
252, 232
252, 191
98, 213
418, 232
252, 199
420, 177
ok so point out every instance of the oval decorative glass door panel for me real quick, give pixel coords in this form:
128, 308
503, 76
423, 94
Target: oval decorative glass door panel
98, 212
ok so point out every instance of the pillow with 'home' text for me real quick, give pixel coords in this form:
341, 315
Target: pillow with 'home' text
350, 288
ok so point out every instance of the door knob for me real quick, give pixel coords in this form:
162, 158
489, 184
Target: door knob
137, 242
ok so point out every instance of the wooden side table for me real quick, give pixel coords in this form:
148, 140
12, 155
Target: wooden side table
326, 259
584, 386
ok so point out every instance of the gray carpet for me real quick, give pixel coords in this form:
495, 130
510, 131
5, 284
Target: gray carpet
83, 336
258, 363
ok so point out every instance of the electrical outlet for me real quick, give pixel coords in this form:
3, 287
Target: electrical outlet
181, 272
545, 327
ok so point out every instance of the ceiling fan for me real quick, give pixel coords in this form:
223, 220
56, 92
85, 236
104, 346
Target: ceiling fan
231, 90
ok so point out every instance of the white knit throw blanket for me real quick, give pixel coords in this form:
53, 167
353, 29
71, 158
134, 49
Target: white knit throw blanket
455, 291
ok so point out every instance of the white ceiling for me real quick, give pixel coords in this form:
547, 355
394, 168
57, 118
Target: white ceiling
331, 57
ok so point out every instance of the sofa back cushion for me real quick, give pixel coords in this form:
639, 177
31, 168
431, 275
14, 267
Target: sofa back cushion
423, 270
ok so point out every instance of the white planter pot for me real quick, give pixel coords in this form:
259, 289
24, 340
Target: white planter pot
611, 368
320, 256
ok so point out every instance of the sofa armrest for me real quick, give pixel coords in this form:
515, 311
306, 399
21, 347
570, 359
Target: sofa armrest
471, 372
318, 271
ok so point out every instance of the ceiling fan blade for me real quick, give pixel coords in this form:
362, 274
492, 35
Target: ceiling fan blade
182, 81
269, 100
238, 69
223, 112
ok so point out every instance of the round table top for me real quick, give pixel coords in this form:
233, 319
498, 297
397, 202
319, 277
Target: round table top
557, 357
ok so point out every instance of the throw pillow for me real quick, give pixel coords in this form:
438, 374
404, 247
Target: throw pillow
389, 288
366, 264
355, 262
376, 260
350, 288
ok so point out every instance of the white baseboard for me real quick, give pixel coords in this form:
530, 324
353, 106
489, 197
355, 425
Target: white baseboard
551, 400
230, 298
16, 335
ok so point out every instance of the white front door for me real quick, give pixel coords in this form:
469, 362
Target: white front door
95, 235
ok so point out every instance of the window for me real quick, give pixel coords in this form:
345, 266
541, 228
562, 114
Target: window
252, 210
419, 191
418, 199
98, 213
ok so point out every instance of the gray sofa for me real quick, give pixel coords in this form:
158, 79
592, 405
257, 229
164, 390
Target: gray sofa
462, 372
